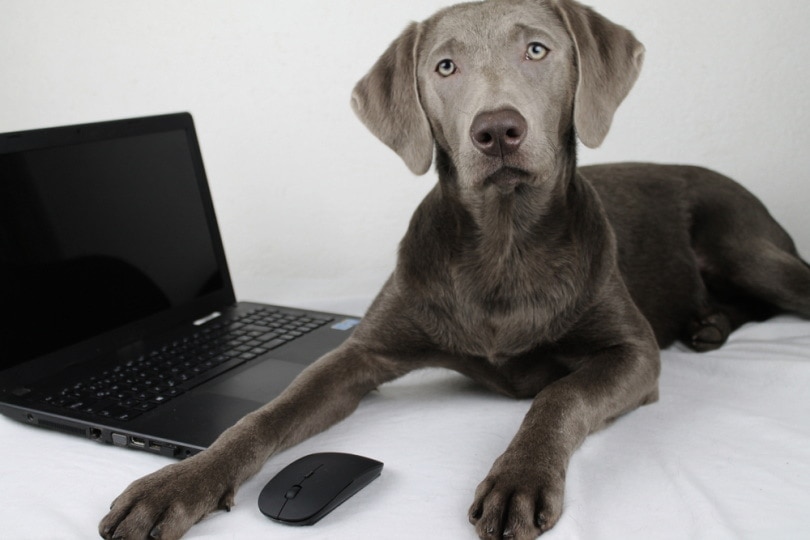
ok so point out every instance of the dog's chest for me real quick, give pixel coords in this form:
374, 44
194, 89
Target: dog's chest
496, 286
500, 312
495, 333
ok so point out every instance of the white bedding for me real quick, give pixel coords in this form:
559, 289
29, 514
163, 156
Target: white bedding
725, 453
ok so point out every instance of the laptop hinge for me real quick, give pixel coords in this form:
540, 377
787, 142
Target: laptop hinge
207, 318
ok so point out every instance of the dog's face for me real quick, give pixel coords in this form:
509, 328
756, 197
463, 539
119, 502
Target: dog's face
496, 82
498, 86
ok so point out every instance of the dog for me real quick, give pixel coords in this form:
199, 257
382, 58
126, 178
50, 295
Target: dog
536, 279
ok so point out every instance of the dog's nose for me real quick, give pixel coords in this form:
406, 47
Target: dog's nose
498, 133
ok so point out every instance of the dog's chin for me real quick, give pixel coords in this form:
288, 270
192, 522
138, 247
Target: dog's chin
506, 179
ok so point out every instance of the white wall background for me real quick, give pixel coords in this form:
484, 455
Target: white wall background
310, 204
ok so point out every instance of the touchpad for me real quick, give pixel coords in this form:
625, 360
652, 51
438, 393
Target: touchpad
198, 419
262, 382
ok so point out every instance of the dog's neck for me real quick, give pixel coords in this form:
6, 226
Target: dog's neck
506, 260
528, 258
502, 220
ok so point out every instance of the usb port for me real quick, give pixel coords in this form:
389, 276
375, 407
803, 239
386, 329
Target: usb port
137, 442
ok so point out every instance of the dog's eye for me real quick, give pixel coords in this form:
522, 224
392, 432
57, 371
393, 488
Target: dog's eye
446, 67
536, 51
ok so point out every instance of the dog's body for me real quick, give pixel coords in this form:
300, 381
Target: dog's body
699, 254
532, 277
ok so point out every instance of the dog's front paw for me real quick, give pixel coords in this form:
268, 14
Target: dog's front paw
165, 504
517, 503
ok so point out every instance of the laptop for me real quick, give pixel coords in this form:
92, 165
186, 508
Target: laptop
119, 319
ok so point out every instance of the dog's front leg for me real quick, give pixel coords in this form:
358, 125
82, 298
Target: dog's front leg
166, 503
522, 496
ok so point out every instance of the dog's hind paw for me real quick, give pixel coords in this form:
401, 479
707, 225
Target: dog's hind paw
708, 333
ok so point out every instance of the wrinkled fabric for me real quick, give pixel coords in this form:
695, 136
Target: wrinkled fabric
725, 453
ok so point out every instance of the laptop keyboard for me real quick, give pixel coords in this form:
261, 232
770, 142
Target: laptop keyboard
136, 386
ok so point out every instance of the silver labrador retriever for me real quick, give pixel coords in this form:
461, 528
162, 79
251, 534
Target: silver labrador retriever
532, 277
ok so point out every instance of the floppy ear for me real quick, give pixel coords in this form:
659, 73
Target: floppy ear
387, 102
609, 60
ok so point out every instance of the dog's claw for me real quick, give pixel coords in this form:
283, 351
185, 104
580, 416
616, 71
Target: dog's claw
543, 523
227, 501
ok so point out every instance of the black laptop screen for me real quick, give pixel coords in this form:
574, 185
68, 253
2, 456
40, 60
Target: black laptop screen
98, 235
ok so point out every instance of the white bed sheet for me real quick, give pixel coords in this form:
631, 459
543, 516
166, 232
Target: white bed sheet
725, 453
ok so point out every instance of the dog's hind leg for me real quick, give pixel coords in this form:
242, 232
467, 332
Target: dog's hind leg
771, 274
748, 263
751, 282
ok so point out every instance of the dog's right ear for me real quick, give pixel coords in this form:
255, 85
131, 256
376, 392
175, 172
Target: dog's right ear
387, 101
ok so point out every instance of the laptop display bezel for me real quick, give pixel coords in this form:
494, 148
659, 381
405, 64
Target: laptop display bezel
131, 336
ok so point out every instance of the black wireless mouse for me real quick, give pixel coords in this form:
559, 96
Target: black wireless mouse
308, 489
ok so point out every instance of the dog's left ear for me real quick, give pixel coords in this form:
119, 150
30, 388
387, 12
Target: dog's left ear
387, 102
609, 60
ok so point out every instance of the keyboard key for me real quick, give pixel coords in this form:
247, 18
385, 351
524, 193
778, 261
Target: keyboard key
127, 415
275, 343
145, 406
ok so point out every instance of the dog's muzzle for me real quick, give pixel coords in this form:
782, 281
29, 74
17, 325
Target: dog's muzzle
506, 179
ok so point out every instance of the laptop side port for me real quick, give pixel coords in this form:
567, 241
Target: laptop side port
137, 442
95, 434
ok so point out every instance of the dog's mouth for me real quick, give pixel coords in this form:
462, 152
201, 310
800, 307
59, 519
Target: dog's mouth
506, 179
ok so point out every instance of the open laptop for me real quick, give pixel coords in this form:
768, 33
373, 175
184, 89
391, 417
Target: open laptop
119, 320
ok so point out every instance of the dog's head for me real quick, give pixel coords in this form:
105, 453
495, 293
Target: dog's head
498, 85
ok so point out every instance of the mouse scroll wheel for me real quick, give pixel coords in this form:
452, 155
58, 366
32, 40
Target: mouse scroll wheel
292, 492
